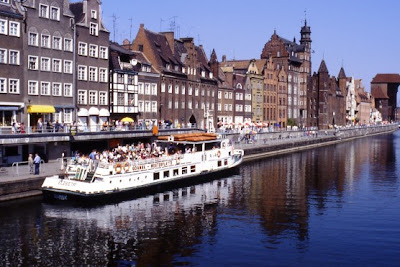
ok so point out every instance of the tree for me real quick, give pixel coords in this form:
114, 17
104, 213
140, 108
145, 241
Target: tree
291, 122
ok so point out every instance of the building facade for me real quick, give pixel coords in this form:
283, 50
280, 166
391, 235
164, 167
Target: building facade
188, 89
91, 46
12, 93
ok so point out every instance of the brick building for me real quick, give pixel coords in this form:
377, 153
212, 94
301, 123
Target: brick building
295, 59
327, 99
187, 86
91, 45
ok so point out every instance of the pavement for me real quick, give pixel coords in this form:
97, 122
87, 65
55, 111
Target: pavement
21, 172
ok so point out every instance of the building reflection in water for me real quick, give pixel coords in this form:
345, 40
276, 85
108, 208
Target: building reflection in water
281, 194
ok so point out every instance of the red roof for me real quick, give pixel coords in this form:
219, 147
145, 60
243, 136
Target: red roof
386, 78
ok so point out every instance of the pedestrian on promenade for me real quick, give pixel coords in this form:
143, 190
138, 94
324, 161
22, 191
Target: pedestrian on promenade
36, 160
30, 163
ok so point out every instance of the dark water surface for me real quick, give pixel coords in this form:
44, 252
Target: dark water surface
336, 205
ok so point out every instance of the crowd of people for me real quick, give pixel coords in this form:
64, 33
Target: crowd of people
122, 153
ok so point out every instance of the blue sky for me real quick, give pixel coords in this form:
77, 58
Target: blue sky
361, 36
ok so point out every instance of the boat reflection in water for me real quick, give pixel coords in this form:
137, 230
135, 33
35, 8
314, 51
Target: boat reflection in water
146, 229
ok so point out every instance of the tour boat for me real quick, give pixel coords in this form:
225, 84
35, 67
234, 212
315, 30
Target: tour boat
195, 155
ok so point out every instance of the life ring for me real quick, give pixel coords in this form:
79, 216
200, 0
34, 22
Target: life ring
118, 168
134, 168
219, 153
126, 166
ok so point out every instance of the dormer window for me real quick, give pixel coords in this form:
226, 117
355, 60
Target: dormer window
183, 70
203, 73
167, 66
278, 54
176, 67
211, 75
93, 14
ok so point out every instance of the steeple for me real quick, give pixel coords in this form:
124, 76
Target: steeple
305, 34
213, 57
322, 67
342, 75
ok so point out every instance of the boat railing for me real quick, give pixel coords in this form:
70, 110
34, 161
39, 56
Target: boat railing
141, 162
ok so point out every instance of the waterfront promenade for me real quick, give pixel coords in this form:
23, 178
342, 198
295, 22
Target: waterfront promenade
17, 182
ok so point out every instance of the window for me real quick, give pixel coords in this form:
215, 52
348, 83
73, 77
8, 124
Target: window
154, 106
56, 65
82, 73
13, 86
190, 104
147, 89
68, 115
93, 50
68, 89
3, 85
183, 90
176, 89
190, 90
82, 96
219, 94
162, 87
57, 43
43, 11
57, 89
93, 14
141, 106
170, 104
103, 52
3, 26
45, 41
196, 91
103, 98
92, 97
154, 89
93, 29
33, 88
33, 39
183, 104
176, 104
147, 106
68, 45
45, 64
13, 57
68, 66
93, 74
82, 49
219, 106
170, 88
45, 88
140, 88
14, 29
54, 13
120, 78
103, 75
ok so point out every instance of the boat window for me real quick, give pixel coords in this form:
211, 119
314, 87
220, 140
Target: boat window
219, 163
193, 168
226, 162
166, 174
156, 176
176, 172
184, 170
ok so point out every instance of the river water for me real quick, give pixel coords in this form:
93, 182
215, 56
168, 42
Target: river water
335, 205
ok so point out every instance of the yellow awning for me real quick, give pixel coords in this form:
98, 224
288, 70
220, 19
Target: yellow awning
41, 109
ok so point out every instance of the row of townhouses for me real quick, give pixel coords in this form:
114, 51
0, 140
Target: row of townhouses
57, 64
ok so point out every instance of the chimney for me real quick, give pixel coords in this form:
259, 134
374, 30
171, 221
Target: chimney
170, 40
223, 58
141, 25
